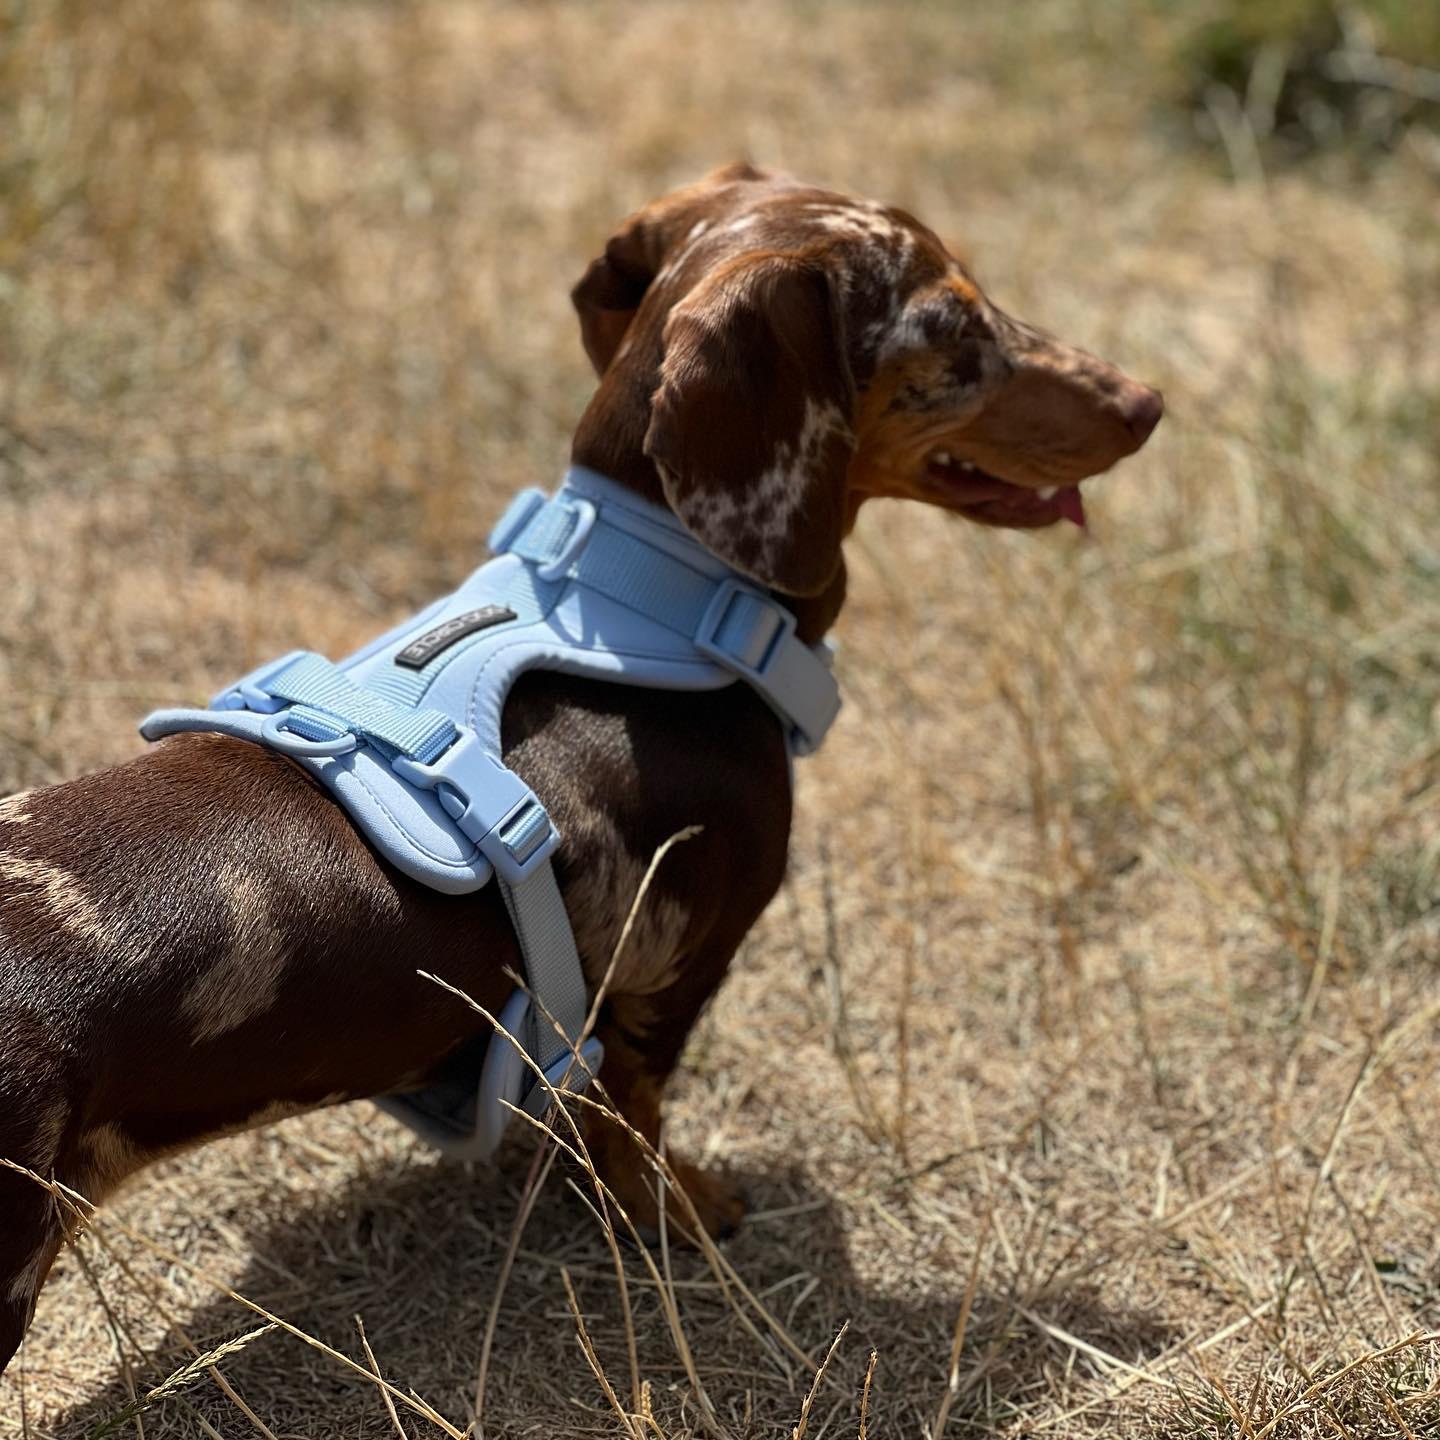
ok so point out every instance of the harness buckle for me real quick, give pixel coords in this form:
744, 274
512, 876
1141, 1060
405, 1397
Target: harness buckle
492, 806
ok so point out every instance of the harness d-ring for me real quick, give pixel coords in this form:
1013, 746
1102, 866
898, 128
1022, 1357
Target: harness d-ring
275, 735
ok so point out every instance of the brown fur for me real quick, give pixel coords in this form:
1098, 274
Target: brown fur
198, 941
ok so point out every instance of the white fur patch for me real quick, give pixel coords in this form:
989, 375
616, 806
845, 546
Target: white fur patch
15, 809
781, 489
110, 1156
245, 980
599, 900
903, 335
891, 243
739, 226
767, 509
886, 252
694, 235
682, 253
63, 895
861, 224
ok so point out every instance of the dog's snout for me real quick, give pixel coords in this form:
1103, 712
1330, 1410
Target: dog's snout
1141, 408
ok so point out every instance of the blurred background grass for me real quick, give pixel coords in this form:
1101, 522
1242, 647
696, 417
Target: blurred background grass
1087, 1063
1298, 79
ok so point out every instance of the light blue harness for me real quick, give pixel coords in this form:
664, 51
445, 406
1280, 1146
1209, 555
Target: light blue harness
593, 581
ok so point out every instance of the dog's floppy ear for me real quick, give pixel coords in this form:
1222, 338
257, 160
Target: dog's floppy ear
609, 293
750, 426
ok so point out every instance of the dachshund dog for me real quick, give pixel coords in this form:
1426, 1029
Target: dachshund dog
198, 942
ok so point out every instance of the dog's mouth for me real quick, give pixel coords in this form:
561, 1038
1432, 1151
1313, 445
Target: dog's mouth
964, 486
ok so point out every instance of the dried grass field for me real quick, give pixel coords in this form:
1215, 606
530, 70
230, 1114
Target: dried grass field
1088, 1065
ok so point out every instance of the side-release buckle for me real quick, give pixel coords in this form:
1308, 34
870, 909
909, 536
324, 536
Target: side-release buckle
491, 805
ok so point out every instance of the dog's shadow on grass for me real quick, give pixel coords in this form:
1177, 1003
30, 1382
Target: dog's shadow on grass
417, 1255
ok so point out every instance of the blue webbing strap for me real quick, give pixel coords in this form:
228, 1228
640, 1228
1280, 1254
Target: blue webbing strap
552, 964
328, 705
736, 624
545, 532
636, 575
613, 562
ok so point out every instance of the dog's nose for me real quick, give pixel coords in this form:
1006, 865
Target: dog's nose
1142, 408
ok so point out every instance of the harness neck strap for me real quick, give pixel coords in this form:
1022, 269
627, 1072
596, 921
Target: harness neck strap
605, 538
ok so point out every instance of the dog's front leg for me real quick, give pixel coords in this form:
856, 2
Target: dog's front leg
30, 1235
643, 1039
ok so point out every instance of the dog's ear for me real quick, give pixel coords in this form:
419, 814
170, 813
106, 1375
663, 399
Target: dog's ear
609, 293
750, 426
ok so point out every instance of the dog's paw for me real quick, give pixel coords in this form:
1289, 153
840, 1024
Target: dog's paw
718, 1202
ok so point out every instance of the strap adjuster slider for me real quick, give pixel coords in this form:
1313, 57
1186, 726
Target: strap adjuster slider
753, 636
743, 629
518, 514
573, 544
249, 692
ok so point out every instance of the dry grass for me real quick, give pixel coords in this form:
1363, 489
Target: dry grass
1088, 1065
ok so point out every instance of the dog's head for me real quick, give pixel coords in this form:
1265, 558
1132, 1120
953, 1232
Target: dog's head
781, 353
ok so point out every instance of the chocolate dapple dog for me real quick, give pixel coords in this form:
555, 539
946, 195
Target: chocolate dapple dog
197, 941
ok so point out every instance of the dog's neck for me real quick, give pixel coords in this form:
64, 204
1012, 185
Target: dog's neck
610, 439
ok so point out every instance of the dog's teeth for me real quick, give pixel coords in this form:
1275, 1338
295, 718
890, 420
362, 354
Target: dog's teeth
947, 461
1049, 492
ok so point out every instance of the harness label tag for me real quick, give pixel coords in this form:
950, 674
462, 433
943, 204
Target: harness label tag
420, 652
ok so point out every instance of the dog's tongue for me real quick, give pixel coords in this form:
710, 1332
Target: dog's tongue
1071, 506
